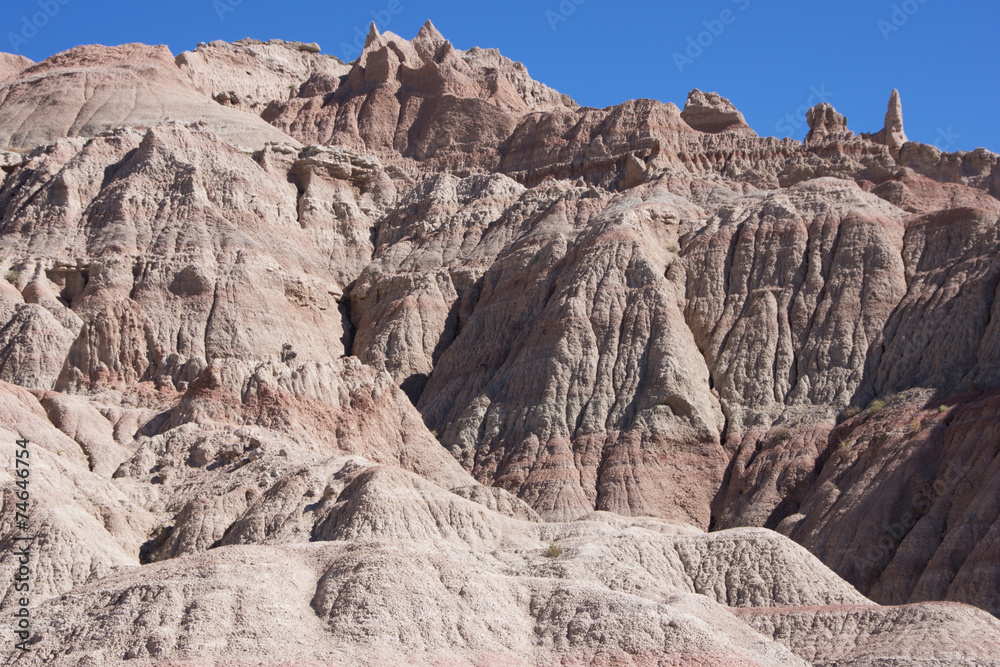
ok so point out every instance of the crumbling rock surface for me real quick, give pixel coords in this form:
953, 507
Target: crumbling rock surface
414, 360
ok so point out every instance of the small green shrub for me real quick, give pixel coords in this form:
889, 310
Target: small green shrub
13, 276
554, 551
943, 408
916, 426
876, 405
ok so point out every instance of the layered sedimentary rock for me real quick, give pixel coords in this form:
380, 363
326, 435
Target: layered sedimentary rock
483, 365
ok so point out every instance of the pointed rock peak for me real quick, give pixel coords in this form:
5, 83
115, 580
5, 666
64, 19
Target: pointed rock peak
892, 135
823, 121
373, 35
894, 117
428, 31
711, 112
430, 43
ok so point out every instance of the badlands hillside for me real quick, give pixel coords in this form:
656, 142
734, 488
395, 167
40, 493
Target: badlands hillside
413, 360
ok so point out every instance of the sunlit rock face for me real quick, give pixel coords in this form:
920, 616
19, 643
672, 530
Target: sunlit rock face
413, 360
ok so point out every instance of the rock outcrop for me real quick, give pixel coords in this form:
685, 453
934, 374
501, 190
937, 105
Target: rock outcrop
892, 134
710, 112
824, 122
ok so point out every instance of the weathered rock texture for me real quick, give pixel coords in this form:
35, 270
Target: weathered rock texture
413, 359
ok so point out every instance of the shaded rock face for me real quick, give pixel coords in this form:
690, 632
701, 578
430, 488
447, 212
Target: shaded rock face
482, 365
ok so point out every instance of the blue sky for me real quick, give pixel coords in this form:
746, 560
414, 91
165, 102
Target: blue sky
772, 59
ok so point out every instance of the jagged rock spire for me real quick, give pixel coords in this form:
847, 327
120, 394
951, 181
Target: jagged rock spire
430, 43
428, 31
373, 34
893, 134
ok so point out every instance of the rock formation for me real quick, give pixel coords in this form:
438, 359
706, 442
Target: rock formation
414, 359
710, 112
823, 121
892, 135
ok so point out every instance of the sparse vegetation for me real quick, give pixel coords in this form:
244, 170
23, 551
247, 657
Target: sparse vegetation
13, 276
845, 445
554, 551
916, 426
876, 406
674, 248
781, 434
943, 408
